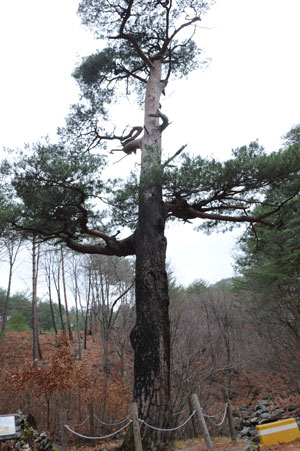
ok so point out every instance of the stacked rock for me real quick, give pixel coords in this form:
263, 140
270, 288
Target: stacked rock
247, 417
31, 438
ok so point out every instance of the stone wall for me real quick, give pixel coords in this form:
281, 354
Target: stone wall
31, 439
248, 416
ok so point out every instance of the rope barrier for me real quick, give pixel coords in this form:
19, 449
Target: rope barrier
214, 416
77, 425
178, 413
171, 429
111, 424
223, 419
146, 424
97, 438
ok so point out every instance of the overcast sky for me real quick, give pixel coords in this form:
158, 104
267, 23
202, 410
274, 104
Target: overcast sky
249, 91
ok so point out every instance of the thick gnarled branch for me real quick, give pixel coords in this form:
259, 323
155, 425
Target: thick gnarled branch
130, 142
180, 209
164, 118
119, 248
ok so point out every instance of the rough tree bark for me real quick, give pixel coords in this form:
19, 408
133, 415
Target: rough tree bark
150, 336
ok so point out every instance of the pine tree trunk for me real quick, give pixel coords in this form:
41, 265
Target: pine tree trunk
150, 336
13, 248
56, 280
52, 314
76, 297
86, 317
48, 280
6, 302
61, 313
36, 350
65, 293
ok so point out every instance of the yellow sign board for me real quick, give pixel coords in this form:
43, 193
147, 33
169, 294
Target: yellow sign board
282, 431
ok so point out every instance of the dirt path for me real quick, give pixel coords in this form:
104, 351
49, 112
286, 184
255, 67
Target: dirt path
221, 444
226, 445
201, 448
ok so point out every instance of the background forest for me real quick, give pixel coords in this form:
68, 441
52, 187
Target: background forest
240, 335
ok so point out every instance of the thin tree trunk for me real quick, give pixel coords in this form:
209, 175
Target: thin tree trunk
78, 330
104, 335
12, 253
48, 280
194, 424
57, 287
61, 312
6, 302
52, 314
35, 327
76, 297
92, 317
65, 293
229, 413
48, 402
87, 314
92, 423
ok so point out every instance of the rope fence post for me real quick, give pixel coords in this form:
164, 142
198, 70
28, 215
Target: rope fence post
136, 427
195, 403
63, 435
194, 424
92, 424
230, 417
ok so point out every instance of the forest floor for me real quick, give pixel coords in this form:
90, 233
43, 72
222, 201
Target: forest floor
219, 444
16, 349
224, 444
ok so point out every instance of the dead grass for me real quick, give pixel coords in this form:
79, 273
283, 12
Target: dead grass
219, 443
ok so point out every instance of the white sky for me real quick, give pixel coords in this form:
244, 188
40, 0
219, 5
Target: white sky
249, 91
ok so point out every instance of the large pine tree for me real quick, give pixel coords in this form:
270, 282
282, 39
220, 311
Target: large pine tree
147, 44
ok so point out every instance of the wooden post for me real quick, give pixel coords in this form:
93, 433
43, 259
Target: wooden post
136, 428
196, 405
229, 417
92, 424
63, 435
193, 419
